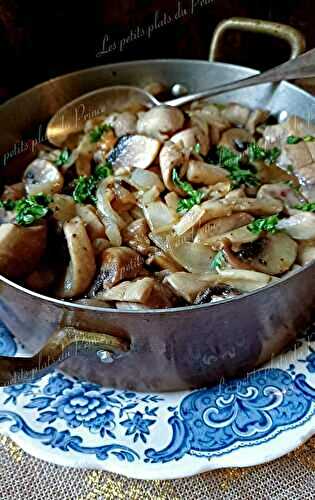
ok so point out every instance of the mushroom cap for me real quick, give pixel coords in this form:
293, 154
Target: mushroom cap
41, 176
160, 122
21, 248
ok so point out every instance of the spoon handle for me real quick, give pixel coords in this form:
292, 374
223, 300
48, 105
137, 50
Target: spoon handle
301, 67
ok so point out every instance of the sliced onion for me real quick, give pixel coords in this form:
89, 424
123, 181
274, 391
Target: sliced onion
300, 226
159, 216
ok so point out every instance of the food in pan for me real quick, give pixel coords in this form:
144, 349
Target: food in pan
164, 207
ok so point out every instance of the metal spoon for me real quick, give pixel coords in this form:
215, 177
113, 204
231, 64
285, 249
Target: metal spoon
71, 118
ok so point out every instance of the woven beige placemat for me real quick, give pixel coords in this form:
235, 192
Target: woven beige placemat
24, 477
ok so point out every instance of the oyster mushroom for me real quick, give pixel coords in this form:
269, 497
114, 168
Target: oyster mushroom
272, 254
119, 264
173, 156
135, 235
159, 216
256, 117
244, 280
82, 267
160, 122
129, 291
199, 172
234, 137
123, 123
134, 151
222, 225
236, 114
186, 138
279, 191
41, 176
216, 293
21, 248
306, 252
188, 285
63, 208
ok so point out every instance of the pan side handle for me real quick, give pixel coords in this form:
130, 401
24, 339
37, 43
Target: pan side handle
63, 344
287, 33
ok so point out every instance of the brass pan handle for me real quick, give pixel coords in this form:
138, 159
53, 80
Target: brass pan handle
63, 344
291, 35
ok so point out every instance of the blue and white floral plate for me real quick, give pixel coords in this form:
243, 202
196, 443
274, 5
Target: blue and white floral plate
164, 436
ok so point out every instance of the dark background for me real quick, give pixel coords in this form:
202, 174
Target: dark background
40, 39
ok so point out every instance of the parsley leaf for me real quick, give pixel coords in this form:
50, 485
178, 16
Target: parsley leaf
294, 139
64, 157
256, 152
232, 162
197, 148
195, 197
85, 186
218, 261
267, 224
7, 204
84, 189
31, 209
98, 131
102, 171
306, 207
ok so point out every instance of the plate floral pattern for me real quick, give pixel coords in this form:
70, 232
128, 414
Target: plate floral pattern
236, 423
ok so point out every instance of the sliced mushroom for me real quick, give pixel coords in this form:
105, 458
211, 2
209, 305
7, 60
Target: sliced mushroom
82, 267
233, 137
222, 225
63, 208
256, 117
134, 151
236, 114
300, 226
93, 225
136, 236
41, 176
163, 261
186, 138
273, 254
41, 279
243, 280
279, 191
216, 293
119, 264
173, 156
306, 252
123, 123
189, 285
236, 237
21, 249
199, 172
129, 291
160, 122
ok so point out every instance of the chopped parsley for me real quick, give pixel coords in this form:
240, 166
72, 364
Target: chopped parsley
232, 162
218, 261
197, 148
102, 171
85, 186
267, 224
294, 139
256, 152
306, 207
31, 209
195, 196
7, 204
63, 158
98, 131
